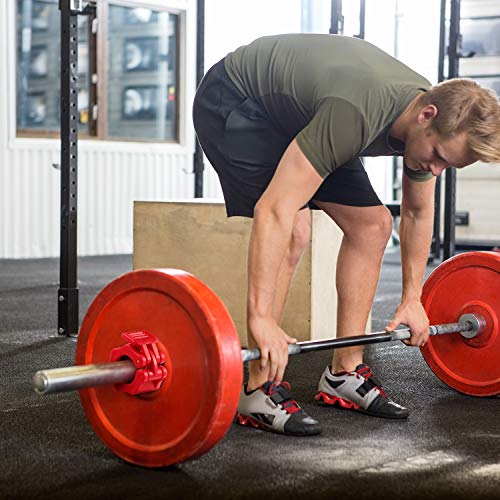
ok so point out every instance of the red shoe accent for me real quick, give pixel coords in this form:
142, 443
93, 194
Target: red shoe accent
290, 406
246, 420
335, 401
366, 373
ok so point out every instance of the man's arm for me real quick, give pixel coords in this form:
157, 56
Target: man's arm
415, 233
292, 186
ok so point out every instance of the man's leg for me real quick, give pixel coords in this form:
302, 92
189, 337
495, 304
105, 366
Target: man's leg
300, 239
350, 383
366, 232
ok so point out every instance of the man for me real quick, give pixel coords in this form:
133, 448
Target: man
284, 122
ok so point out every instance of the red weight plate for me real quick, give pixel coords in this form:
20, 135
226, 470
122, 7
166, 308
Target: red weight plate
466, 283
192, 411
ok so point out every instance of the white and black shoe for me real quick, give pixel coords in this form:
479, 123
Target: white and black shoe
360, 391
272, 407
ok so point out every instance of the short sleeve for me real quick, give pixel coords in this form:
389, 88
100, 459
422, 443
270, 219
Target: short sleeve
334, 136
417, 176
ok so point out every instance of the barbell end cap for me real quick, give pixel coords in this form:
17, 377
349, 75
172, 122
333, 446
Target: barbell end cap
40, 383
478, 325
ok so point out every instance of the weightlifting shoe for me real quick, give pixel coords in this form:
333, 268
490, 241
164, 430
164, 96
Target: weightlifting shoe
360, 391
271, 407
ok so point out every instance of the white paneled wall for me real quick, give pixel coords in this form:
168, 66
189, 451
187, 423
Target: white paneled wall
211, 184
108, 182
111, 174
30, 201
126, 176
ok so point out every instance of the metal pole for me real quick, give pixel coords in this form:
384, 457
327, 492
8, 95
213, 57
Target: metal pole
84, 376
450, 201
397, 18
198, 166
336, 18
442, 40
73, 378
369, 338
436, 236
67, 294
362, 19
92, 74
451, 174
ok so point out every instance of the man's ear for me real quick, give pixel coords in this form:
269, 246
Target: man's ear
427, 114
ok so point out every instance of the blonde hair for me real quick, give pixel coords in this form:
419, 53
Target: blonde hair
465, 106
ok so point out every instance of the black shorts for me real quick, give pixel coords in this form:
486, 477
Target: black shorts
245, 147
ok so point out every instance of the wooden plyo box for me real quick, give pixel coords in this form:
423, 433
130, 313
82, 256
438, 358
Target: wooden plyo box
196, 236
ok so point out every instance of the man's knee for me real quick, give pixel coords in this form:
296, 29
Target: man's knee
374, 232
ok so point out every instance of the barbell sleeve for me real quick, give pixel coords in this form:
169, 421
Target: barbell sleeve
72, 378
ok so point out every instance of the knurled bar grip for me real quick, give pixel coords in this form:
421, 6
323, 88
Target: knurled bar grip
121, 372
369, 338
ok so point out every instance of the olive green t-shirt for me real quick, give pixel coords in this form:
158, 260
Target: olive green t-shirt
337, 95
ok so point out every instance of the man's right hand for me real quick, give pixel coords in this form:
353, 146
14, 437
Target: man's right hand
273, 344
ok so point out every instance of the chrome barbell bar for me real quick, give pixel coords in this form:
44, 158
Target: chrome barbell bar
121, 372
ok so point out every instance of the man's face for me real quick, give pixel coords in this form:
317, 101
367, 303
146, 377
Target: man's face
426, 151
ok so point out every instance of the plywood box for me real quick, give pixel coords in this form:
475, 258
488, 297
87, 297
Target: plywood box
196, 236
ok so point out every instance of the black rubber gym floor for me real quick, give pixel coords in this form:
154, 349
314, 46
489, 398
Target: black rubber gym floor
448, 448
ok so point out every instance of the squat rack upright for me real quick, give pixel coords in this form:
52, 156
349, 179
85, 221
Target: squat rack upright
67, 295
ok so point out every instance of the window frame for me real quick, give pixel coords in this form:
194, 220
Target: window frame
98, 64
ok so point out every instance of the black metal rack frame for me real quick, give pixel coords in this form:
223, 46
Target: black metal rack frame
67, 295
198, 166
450, 188
67, 323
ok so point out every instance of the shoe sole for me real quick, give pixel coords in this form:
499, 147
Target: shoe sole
345, 404
247, 421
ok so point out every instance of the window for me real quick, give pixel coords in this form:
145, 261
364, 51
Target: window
140, 73
481, 36
38, 60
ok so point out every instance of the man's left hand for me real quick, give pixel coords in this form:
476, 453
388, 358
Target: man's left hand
412, 313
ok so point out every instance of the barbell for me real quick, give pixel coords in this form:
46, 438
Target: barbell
159, 363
